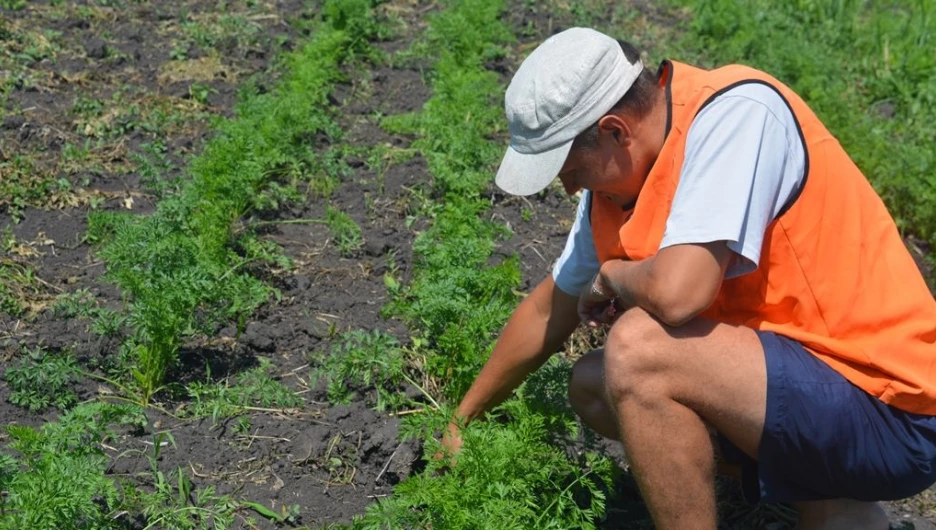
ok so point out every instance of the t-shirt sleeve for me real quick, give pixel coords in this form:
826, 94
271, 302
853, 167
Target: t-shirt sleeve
578, 263
744, 161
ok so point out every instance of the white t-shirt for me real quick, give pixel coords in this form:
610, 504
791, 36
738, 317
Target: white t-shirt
744, 161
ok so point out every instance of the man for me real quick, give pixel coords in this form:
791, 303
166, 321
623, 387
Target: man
755, 285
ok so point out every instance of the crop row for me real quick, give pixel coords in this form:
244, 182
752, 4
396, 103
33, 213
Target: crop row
181, 270
512, 473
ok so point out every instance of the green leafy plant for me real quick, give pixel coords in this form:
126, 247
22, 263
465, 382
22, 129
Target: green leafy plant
254, 387
179, 267
360, 360
176, 503
24, 184
288, 514
13, 5
43, 380
507, 476
154, 166
346, 232
515, 472
79, 303
59, 479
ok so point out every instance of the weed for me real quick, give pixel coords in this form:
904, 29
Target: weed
179, 52
288, 514
254, 387
200, 93
107, 322
21, 291
327, 170
13, 5
228, 32
381, 157
175, 503
80, 303
43, 380
344, 230
154, 167
24, 184
102, 226
242, 426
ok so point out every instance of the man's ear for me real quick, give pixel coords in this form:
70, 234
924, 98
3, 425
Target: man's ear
617, 126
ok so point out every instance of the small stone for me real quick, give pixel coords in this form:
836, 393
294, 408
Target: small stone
339, 413
96, 48
317, 328
13, 122
258, 337
413, 393
886, 109
376, 247
299, 283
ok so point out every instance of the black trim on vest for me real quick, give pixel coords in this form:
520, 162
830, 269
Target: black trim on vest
799, 130
664, 66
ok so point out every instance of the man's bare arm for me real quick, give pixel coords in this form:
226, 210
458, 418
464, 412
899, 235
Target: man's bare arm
536, 330
675, 285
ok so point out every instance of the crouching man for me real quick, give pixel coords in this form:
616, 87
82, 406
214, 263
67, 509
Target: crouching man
755, 285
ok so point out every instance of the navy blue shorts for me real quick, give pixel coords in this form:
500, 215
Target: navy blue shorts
825, 438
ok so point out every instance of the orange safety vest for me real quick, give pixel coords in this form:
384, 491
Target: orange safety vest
834, 273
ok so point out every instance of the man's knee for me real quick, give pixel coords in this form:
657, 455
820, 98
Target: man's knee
587, 395
636, 356
586, 383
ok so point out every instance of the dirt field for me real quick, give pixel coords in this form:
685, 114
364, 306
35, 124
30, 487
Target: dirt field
136, 86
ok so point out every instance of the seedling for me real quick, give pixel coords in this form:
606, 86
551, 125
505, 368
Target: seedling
345, 231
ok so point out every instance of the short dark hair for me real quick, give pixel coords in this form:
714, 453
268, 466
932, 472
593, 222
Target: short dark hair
638, 100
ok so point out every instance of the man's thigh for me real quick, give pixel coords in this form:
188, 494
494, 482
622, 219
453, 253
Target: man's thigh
715, 369
816, 435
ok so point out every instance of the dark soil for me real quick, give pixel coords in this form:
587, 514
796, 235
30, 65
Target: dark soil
332, 461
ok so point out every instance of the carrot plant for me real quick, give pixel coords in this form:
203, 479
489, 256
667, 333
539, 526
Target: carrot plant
43, 379
57, 480
184, 268
359, 359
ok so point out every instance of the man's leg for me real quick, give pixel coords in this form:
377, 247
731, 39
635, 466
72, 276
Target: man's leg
663, 385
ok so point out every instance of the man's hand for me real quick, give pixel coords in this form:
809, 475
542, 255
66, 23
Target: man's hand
451, 444
596, 306
537, 329
675, 285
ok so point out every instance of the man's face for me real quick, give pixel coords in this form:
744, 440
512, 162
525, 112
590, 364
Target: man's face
608, 169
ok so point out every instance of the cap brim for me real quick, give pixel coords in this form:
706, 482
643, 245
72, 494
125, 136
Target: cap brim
526, 174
